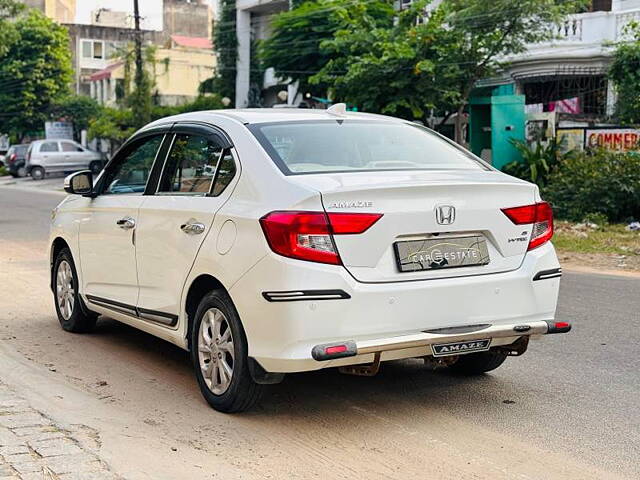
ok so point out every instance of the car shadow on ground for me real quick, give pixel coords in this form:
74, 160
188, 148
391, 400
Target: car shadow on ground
399, 385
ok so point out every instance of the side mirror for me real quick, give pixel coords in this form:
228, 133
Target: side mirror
79, 183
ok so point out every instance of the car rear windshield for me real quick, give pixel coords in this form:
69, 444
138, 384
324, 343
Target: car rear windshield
305, 147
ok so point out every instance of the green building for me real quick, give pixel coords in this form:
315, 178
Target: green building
496, 115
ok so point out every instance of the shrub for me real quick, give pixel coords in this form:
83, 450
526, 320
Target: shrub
537, 161
596, 182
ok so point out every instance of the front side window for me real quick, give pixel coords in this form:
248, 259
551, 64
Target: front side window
70, 147
191, 166
358, 145
130, 175
49, 147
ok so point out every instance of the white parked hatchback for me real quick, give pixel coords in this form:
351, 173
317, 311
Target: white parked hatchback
275, 241
60, 156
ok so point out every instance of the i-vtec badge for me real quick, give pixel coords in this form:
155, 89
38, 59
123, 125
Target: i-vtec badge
352, 204
458, 348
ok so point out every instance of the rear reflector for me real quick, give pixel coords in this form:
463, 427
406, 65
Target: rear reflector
335, 349
309, 235
558, 327
538, 214
329, 351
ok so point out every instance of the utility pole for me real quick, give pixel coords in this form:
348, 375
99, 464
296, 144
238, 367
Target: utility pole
139, 77
140, 101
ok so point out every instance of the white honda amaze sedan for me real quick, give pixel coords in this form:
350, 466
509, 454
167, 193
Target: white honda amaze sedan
270, 241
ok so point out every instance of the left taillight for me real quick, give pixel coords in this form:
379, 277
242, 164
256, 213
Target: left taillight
309, 235
538, 214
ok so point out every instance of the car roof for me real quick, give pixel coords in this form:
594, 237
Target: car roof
268, 115
42, 140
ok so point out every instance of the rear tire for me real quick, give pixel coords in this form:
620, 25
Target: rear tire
477, 363
21, 172
72, 314
37, 173
219, 355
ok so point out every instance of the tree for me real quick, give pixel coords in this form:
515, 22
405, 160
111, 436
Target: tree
625, 74
441, 54
294, 47
9, 9
113, 125
35, 72
225, 47
78, 109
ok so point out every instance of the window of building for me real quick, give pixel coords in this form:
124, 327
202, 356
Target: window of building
93, 49
601, 6
580, 93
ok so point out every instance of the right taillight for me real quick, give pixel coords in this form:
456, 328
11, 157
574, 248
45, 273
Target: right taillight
309, 235
538, 214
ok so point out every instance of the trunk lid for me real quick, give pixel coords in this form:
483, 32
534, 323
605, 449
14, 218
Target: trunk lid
408, 202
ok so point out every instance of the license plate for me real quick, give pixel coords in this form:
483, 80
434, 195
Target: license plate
459, 348
435, 253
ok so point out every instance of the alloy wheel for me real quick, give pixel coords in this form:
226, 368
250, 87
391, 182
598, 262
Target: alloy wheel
65, 294
215, 351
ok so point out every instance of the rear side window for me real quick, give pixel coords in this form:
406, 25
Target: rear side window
191, 166
355, 145
49, 147
226, 172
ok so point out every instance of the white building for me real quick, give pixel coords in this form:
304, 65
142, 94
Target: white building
252, 23
573, 66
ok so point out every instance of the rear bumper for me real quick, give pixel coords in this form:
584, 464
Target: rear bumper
494, 333
288, 307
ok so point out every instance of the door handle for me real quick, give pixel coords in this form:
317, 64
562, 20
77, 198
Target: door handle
192, 228
126, 223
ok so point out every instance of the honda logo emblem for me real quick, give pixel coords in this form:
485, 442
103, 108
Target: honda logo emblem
445, 214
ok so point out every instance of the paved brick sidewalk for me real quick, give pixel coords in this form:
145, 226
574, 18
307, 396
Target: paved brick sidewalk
32, 447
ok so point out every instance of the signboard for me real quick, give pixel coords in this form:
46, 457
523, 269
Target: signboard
4, 142
58, 130
614, 139
571, 139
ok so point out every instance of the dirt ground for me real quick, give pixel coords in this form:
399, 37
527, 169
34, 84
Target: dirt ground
600, 262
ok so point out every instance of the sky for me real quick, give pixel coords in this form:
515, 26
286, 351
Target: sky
150, 10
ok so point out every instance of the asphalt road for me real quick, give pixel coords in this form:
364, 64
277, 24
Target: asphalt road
569, 408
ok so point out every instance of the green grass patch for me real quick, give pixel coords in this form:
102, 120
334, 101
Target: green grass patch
580, 238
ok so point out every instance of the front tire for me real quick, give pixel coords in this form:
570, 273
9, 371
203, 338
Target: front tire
71, 315
220, 356
477, 363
